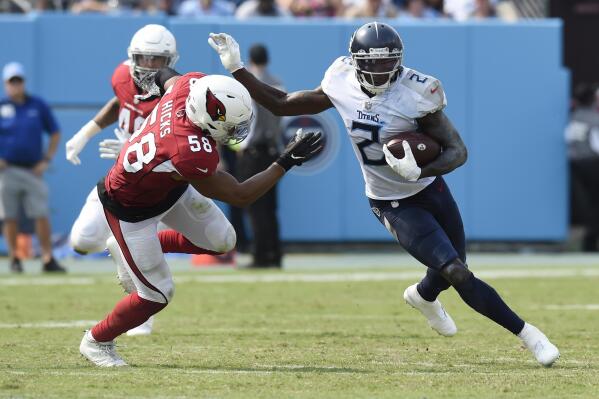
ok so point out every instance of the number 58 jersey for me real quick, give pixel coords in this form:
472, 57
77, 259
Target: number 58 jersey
372, 122
141, 183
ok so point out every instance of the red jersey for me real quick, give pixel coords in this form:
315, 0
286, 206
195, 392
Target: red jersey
166, 143
132, 111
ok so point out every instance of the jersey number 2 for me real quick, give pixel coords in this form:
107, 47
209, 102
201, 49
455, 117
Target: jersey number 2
374, 138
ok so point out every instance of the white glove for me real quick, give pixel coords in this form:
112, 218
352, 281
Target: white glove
227, 49
406, 167
111, 148
76, 144
121, 135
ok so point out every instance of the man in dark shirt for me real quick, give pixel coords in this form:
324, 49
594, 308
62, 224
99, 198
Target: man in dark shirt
261, 148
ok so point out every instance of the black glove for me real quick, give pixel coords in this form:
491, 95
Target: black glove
300, 149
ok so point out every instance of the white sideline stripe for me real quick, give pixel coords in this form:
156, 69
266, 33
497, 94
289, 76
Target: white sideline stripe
48, 281
380, 276
316, 277
51, 324
576, 306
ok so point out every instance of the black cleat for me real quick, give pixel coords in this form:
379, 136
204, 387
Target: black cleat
16, 266
53, 267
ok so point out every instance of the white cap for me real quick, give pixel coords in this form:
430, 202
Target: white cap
13, 70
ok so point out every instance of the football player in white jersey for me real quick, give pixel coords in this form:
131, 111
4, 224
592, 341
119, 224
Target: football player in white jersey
377, 98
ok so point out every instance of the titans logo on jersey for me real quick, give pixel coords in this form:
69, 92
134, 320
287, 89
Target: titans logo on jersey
371, 122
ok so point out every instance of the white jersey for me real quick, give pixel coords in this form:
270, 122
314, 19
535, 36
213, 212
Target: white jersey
371, 122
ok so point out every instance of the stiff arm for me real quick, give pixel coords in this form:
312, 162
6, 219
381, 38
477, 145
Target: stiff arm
280, 103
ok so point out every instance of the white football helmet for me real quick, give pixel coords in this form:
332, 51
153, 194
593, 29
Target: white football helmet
221, 106
152, 47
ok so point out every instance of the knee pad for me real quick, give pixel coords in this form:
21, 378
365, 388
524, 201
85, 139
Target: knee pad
221, 235
87, 239
85, 244
167, 287
165, 293
456, 272
164, 283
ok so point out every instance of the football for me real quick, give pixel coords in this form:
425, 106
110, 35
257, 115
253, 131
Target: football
424, 148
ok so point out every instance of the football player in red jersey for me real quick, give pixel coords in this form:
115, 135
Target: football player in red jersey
152, 47
166, 173
136, 94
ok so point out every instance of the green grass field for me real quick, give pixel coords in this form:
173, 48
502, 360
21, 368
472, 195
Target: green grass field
331, 332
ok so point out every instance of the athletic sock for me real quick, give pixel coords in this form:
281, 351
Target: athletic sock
432, 285
174, 242
486, 301
129, 312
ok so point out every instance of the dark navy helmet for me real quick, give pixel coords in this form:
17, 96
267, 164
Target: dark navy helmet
376, 51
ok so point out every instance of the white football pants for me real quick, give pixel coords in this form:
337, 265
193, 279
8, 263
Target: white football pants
193, 215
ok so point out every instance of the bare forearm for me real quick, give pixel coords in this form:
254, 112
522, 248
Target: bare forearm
450, 159
305, 102
224, 187
108, 114
259, 184
53, 145
267, 96
454, 155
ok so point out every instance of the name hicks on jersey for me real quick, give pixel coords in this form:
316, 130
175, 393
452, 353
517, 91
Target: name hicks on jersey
165, 118
373, 118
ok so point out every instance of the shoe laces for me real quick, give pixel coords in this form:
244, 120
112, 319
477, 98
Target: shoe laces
109, 348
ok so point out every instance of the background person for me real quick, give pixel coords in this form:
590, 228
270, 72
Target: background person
23, 119
260, 150
582, 137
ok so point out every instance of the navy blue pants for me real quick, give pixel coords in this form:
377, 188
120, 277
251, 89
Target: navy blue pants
428, 225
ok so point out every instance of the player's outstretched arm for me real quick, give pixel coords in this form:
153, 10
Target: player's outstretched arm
224, 187
276, 101
439, 127
106, 116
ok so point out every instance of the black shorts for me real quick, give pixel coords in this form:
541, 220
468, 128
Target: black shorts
428, 225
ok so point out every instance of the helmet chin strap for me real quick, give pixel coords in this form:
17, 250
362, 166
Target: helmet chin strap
368, 91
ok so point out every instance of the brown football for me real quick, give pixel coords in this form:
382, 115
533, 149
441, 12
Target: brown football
424, 148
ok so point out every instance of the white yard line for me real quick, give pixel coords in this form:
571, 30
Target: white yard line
47, 281
316, 277
51, 324
575, 306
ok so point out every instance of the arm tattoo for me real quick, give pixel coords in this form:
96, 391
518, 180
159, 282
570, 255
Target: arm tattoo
440, 128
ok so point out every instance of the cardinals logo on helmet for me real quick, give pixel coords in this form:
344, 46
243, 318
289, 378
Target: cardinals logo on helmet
215, 108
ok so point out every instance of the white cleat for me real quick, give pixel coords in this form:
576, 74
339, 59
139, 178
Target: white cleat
102, 354
436, 316
535, 341
144, 329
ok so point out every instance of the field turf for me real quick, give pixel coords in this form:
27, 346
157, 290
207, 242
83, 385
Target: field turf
335, 329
